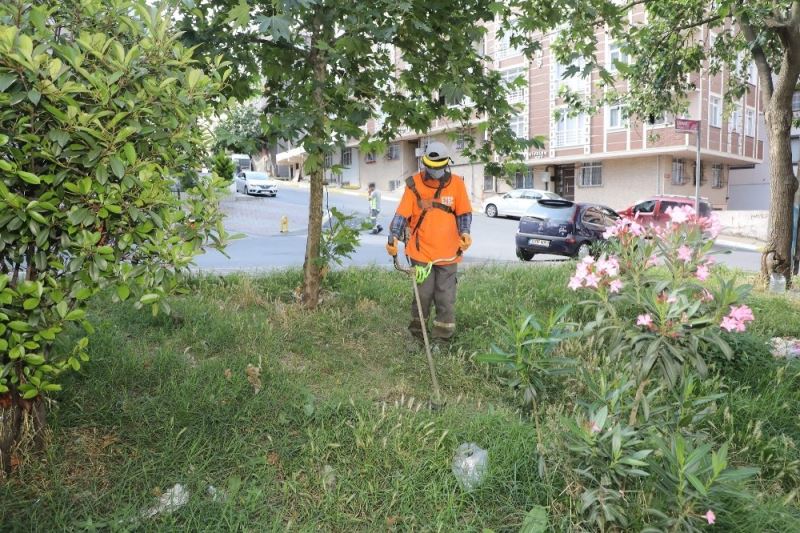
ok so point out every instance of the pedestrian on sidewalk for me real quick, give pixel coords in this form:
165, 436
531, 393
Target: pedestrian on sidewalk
435, 215
374, 208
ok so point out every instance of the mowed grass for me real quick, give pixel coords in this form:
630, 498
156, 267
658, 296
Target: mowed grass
338, 438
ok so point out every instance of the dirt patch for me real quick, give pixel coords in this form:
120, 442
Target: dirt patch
88, 452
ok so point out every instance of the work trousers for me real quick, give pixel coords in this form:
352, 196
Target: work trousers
439, 289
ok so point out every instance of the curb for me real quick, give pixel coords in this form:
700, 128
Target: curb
738, 245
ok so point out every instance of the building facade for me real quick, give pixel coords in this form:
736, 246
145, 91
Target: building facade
604, 158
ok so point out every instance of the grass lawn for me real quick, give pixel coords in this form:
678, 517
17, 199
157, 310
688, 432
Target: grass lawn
338, 438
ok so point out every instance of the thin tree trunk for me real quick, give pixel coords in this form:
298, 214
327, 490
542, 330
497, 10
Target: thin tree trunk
777, 257
312, 276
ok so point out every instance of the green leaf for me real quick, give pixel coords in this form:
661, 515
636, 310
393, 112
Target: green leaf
6, 80
32, 359
75, 314
123, 292
83, 293
697, 484
34, 96
535, 521
30, 303
30, 394
240, 14
27, 177
130, 153
117, 167
19, 326
149, 298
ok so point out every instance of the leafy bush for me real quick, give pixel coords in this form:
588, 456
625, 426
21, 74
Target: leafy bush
100, 106
340, 237
652, 303
223, 166
527, 350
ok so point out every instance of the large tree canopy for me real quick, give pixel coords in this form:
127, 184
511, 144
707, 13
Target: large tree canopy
326, 67
669, 45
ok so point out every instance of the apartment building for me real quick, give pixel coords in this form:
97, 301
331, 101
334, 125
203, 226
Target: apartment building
603, 158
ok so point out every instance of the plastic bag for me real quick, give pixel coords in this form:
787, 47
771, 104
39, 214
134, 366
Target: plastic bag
777, 283
470, 465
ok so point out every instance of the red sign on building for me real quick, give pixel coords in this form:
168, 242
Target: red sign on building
685, 125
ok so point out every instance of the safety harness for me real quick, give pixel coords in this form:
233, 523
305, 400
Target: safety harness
428, 204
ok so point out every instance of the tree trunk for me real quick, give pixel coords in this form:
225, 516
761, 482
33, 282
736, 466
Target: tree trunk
777, 257
312, 269
22, 424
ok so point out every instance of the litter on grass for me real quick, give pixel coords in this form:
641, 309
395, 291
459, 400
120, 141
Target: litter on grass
469, 465
785, 347
170, 501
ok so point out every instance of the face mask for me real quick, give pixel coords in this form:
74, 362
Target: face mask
436, 173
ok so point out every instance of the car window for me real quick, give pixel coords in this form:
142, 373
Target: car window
592, 216
552, 212
648, 206
257, 175
514, 194
531, 195
610, 216
705, 209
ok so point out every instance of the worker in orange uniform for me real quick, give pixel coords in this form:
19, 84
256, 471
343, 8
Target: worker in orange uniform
435, 215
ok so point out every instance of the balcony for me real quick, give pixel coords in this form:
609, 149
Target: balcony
564, 139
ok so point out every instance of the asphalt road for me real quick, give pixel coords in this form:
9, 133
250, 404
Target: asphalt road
264, 248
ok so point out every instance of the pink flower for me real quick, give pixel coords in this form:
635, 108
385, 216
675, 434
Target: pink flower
582, 270
710, 517
679, 215
651, 261
731, 324
609, 267
575, 283
742, 313
644, 320
615, 286
588, 260
706, 296
685, 254
595, 428
671, 299
702, 272
592, 280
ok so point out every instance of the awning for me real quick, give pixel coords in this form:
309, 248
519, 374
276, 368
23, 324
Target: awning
290, 157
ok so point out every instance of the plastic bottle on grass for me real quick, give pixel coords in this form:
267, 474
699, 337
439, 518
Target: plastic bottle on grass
470, 464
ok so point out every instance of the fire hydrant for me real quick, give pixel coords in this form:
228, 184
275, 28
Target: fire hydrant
284, 224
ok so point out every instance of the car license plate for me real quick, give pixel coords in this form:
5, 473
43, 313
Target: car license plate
539, 242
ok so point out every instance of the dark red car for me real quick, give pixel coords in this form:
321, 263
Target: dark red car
654, 208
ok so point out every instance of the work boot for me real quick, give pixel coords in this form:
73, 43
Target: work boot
416, 329
443, 331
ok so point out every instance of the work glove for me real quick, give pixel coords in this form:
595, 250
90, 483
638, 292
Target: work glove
391, 246
466, 242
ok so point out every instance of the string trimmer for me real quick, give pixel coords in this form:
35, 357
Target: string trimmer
418, 274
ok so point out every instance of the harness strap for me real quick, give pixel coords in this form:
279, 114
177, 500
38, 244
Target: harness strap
426, 205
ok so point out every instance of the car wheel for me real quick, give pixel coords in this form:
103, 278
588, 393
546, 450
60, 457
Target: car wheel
524, 255
491, 210
583, 250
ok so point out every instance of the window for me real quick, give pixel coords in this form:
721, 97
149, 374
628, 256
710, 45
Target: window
370, 157
678, 172
569, 130
395, 184
616, 117
592, 175
735, 123
648, 206
796, 102
564, 75
515, 94
489, 184
593, 217
523, 180
716, 176
461, 142
393, 152
519, 125
347, 157
715, 111
752, 73
750, 123
328, 160
615, 55
455, 100
503, 46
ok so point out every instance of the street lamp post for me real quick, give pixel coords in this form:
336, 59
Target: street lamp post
685, 125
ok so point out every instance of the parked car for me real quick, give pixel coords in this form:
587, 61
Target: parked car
515, 203
258, 183
562, 227
653, 209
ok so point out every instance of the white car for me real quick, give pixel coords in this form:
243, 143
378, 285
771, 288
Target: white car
515, 203
258, 183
